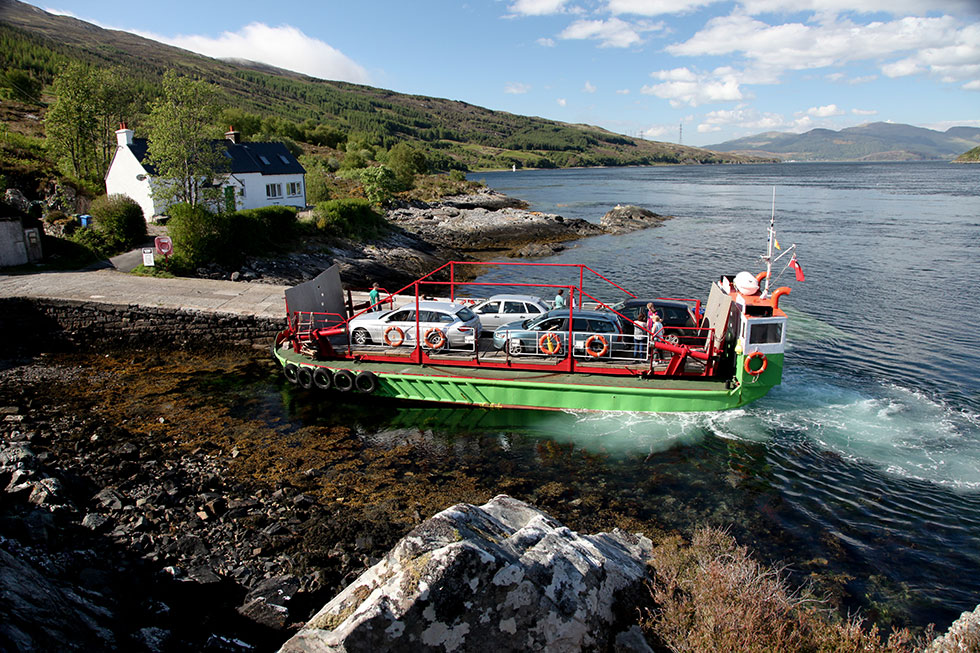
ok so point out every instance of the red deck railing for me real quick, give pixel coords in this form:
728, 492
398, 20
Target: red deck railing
330, 336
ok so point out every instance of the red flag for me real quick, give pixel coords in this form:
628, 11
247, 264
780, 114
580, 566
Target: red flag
793, 263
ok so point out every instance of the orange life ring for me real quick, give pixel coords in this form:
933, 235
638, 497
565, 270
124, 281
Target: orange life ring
392, 342
436, 342
596, 353
550, 343
748, 363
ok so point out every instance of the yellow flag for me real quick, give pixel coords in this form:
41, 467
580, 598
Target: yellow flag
776, 243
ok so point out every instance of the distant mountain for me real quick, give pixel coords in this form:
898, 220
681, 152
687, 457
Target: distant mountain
461, 135
876, 141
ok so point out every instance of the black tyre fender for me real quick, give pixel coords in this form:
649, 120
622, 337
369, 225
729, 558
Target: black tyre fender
343, 380
366, 382
322, 378
304, 378
290, 370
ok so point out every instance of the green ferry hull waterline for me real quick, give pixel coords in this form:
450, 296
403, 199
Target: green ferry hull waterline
567, 392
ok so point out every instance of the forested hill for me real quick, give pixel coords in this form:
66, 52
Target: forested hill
37, 45
876, 141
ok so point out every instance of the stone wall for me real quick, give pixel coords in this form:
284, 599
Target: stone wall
59, 325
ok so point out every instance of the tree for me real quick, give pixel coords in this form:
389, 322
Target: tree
379, 183
180, 142
81, 122
405, 161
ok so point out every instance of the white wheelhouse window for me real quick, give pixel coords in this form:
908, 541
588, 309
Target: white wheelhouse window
273, 190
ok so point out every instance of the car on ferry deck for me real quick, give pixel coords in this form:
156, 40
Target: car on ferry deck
458, 323
677, 317
522, 336
499, 310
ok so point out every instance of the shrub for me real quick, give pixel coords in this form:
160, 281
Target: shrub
93, 241
350, 218
255, 230
199, 237
712, 596
120, 220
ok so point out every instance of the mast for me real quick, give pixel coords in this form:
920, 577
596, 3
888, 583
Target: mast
772, 236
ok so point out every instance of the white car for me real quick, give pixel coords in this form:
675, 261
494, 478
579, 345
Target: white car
504, 309
440, 325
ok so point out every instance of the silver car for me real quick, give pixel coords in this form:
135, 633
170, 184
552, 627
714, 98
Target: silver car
504, 309
441, 325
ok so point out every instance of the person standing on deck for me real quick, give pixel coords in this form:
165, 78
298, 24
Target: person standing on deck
374, 297
560, 299
657, 331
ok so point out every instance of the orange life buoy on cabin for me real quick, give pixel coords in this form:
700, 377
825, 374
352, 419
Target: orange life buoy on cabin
550, 343
748, 363
393, 342
435, 338
596, 353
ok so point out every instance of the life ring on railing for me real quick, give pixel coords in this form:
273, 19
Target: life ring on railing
366, 382
550, 343
392, 342
596, 353
290, 371
435, 338
750, 358
343, 380
322, 378
304, 378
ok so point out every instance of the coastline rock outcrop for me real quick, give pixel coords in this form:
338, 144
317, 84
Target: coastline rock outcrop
624, 219
962, 635
502, 575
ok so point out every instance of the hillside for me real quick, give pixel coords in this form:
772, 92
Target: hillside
469, 136
877, 141
973, 156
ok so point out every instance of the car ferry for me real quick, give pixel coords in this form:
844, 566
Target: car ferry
423, 343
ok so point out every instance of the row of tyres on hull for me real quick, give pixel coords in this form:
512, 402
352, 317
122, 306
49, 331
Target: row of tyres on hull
322, 378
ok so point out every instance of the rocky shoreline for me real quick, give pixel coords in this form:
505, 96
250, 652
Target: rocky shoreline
480, 226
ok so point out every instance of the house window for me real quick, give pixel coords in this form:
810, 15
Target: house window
294, 188
273, 190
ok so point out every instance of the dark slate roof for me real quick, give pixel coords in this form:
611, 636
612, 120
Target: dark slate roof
266, 158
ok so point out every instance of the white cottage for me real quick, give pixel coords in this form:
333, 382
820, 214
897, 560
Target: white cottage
261, 174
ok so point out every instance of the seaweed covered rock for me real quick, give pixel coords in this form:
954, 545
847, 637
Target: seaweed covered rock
502, 576
624, 219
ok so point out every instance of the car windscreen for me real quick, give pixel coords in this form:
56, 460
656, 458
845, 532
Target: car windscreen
465, 314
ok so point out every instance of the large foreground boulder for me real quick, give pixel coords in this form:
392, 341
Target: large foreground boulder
502, 577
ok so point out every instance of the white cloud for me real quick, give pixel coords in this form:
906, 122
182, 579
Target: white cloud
562, 102
589, 87
285, 47
612, 33
657, 131
939, 45
656, 7
825, 111
623, 91
682, 86
864, 112
517, 88
743, 117
538, 7
546, 42
893, 7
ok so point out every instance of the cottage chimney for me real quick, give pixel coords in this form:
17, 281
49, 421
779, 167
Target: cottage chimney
233, 136
124, 136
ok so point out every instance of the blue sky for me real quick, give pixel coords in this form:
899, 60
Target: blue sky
639, 67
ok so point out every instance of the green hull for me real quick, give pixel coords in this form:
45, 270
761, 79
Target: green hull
527, 389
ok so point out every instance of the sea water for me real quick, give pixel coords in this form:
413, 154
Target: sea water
865, 463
